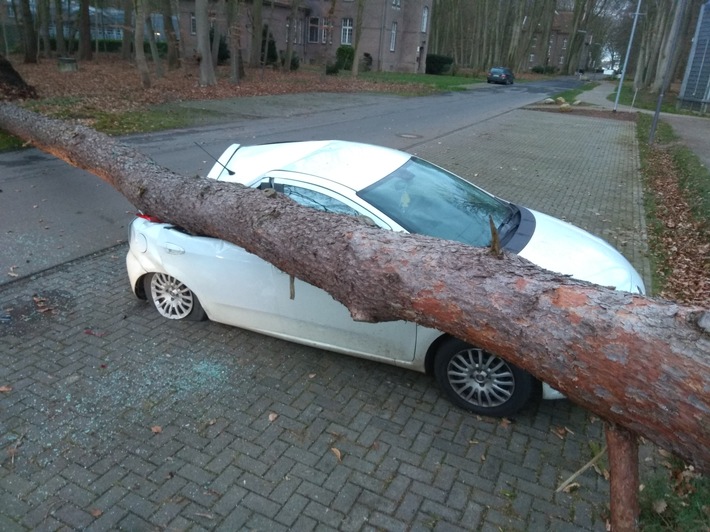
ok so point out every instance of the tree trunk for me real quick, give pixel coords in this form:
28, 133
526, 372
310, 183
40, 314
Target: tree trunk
216, 32
357, 32
29, 36
44, 16
155, 55
139, 43
667, 56
127, 29
256, 33
637, 362
204, 53
85, 51
170, 36
624, 481
234, 38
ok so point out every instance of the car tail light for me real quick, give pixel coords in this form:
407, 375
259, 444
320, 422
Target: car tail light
149, 218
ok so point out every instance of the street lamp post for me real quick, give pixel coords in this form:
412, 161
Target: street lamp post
626, 59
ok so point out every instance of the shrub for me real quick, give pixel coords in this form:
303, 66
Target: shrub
366, 62
295, 61
269, 55
438, 64
331, 69
344, 57
547, 69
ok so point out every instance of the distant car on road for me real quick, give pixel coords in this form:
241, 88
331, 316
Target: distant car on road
188, 276
501, 75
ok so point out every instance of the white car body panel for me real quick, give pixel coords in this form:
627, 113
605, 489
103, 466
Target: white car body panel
564, 248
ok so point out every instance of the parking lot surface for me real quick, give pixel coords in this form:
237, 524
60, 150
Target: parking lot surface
112, 418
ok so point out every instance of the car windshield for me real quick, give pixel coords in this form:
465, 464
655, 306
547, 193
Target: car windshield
428, 200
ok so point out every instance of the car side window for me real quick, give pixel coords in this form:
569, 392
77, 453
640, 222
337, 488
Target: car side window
317, 200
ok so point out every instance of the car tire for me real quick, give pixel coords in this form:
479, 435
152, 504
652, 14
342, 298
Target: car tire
172, 298
481, 382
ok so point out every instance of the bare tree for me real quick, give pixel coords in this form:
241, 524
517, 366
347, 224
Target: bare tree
44, 18
234, 38
85, 50
204, 51
291, 33
257, 26
127, 28
166, 12
139, 43
357, 32
29, 35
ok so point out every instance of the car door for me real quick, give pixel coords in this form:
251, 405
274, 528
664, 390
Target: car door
312, 314
234, 286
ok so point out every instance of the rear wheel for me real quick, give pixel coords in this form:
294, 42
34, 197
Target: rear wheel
481, 382
172, 298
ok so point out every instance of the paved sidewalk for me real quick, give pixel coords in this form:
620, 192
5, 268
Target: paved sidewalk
693, 131
119, 420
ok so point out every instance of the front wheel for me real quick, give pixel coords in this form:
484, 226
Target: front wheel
172, 299
480, 381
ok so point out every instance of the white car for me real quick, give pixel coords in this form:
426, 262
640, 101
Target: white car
195, 277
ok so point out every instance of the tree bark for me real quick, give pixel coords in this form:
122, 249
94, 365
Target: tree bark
139, 43
638, 362
624, 482
155, 55
204, 52
85, 51
29, 36
170, 36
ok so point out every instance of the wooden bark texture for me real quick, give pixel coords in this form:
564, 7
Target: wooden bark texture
624, 481
641, 363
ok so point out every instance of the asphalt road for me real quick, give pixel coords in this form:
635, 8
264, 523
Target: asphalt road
51, 213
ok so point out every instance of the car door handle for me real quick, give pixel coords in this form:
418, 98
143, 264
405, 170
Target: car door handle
173, 249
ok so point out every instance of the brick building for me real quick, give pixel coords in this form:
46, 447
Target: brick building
394, 32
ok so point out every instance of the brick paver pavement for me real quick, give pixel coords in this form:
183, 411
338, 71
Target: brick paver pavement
117, 419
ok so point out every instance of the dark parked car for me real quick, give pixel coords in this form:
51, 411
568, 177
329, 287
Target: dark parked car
501, 75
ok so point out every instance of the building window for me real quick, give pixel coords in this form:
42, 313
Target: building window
327, 33
425, 19
531, 60
298, 31
313, 29
562, 60
564, 44
396, 4
393, 38
346, 33
193, 24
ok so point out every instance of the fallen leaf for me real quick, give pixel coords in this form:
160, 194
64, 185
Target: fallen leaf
5, 389
156, 429
311, 375
660, 506
560, 432
505, 422
273, 416
571, 487
337, 453
96, 512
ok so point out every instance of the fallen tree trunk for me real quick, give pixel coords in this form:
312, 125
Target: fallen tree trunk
637, 362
